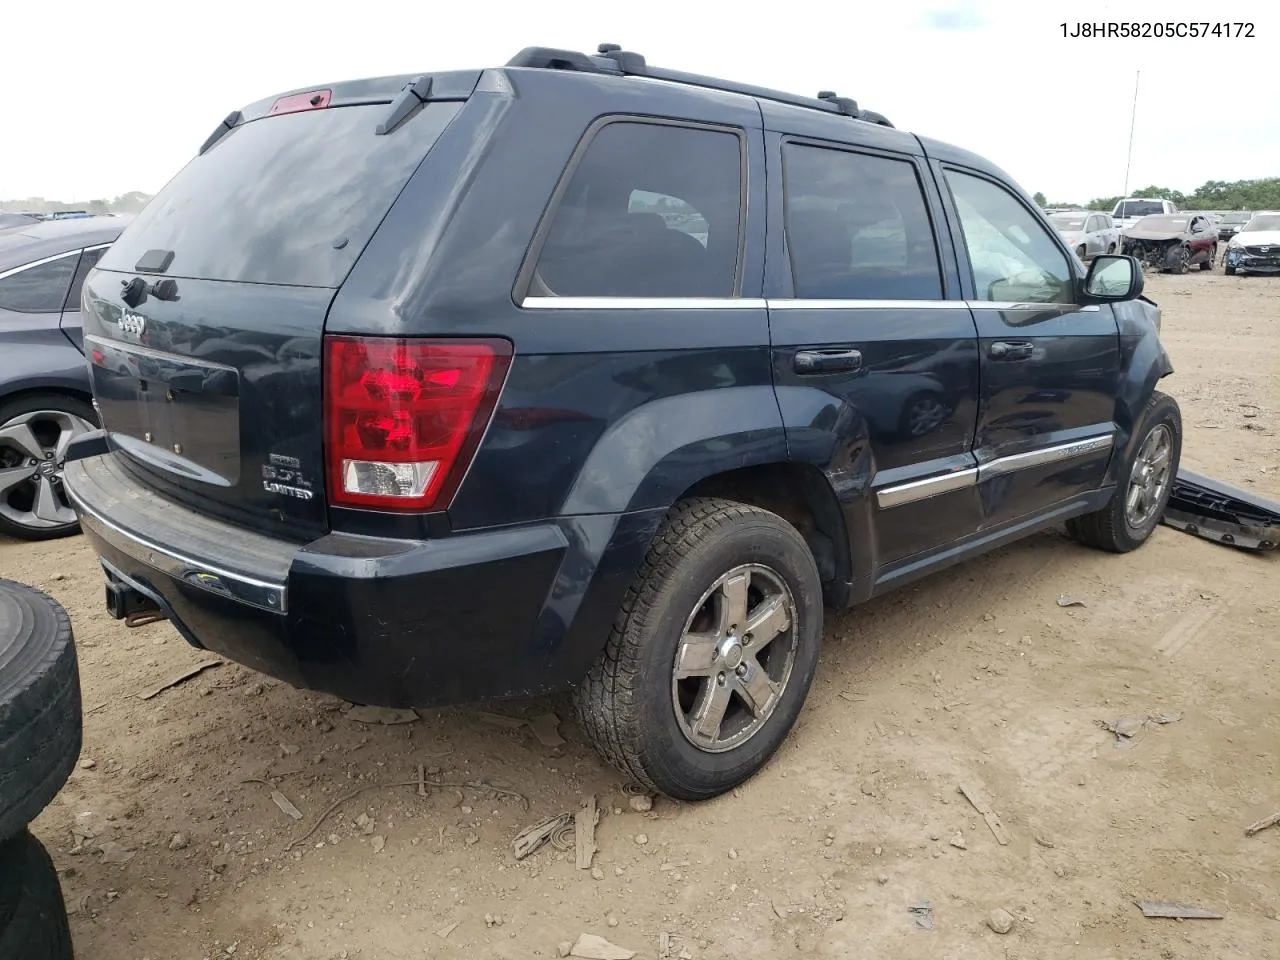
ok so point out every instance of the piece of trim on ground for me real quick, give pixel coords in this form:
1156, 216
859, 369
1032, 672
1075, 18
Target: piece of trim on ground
1222, 513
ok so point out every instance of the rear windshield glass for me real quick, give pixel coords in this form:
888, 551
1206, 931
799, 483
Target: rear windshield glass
291, 199
1138, 208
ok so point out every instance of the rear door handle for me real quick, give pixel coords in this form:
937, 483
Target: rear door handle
837, 360
1011, 350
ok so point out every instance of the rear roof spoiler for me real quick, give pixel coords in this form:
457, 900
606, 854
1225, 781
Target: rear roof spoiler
452, 85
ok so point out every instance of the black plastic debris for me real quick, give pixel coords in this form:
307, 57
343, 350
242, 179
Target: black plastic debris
1217, 511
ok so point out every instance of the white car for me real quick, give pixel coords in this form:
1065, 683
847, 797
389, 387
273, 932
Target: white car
1132, 209
1256, 248
1088, 234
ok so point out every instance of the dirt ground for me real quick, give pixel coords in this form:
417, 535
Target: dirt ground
974, 675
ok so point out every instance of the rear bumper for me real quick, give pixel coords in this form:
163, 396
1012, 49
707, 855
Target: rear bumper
388, 622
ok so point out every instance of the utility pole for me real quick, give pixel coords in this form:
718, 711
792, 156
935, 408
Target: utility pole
1132, 120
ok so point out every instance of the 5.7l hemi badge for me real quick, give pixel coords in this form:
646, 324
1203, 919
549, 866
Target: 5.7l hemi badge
283, 475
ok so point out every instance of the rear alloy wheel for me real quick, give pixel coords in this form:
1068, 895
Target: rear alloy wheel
712, 654
734, 658
35, 433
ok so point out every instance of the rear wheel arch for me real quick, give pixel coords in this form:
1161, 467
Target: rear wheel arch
801, 494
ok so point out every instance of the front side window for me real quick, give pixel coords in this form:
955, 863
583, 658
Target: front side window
38, 289
857, 227
1012, 257
651, 210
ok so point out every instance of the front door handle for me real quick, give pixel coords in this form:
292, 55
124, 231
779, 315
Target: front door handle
839, 360
1011, 350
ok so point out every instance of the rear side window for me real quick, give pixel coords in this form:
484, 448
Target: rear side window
650, 210
858, 227
88, 260
38, 289
289, 199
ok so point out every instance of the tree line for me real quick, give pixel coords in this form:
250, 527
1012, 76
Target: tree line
130, 202
1212, 195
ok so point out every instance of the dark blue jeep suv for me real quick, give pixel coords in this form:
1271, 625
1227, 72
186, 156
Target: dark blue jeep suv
580, 373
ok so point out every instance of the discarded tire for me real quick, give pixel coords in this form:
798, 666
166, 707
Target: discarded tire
33, 919
40, 720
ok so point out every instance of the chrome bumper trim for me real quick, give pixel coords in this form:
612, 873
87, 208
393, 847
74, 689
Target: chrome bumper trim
262, 594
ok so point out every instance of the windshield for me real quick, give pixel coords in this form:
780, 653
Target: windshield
1242, 217
1067, 223
290, 199
1138, 208
1263, 221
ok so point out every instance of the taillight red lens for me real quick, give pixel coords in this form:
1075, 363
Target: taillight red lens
403, 417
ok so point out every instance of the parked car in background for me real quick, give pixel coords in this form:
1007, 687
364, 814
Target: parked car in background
1256, 247
1088, 234
1132, 209
45, 397
9, 221
1172, 244
1232, 222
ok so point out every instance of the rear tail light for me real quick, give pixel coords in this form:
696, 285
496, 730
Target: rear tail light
403, 417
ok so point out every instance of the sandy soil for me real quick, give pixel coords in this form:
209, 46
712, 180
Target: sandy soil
975, 675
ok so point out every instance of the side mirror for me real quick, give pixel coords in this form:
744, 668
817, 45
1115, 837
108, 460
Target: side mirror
1112, 277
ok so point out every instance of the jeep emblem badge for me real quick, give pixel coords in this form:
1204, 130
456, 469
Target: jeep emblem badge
133, 323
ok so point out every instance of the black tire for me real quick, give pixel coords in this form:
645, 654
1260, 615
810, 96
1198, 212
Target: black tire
33, 918
628, 702
40, 721
19, 498
1207, 265
1110, 528
1229, 271
1111, 248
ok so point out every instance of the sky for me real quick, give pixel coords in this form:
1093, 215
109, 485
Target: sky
97, 99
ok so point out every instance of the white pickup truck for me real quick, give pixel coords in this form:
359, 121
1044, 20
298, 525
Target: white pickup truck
1132, 209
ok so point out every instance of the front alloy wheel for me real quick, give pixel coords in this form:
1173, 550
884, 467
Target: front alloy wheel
1149, 479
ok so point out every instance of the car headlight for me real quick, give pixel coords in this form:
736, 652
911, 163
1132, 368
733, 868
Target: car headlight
1234, 244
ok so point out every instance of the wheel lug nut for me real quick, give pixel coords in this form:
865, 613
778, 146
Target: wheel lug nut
742, 670
720, 679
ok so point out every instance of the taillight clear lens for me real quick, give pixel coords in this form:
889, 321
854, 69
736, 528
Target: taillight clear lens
403, 417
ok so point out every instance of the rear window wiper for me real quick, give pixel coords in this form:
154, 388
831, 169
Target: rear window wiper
411, 98
223, 129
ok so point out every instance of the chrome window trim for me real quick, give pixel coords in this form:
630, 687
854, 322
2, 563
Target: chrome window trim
915, 490
263, 594
642, 303
40, 263
781, 303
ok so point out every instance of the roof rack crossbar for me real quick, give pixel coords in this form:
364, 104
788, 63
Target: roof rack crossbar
610, 58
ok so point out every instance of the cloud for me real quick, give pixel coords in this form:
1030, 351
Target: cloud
962, 16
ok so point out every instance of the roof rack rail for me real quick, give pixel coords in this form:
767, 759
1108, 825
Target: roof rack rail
611, 59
